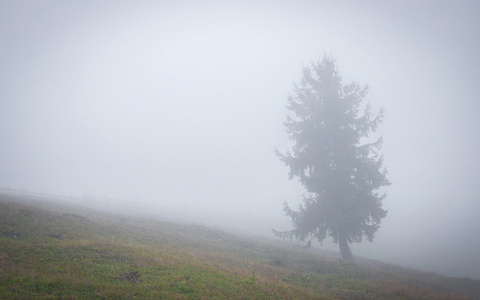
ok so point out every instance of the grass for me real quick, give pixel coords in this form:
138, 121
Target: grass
52, 251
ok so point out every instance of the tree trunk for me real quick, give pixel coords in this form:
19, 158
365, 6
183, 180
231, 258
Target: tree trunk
345, 249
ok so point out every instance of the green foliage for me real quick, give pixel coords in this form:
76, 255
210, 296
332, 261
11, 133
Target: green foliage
104, 256
331, 157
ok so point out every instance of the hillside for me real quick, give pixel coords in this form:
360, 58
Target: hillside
53, 250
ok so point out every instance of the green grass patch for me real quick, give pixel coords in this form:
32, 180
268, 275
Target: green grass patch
51, 252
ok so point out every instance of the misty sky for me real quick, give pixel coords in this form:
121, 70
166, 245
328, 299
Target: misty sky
181, 104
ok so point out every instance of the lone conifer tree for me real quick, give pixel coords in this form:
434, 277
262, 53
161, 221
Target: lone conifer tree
332, 159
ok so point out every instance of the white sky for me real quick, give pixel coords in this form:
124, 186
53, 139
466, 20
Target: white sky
181, 104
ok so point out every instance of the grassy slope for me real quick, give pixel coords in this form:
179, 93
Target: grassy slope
49, 251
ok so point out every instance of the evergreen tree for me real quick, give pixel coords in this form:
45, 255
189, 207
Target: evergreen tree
333, 160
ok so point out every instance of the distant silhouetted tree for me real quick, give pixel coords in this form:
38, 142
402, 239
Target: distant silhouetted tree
332, 158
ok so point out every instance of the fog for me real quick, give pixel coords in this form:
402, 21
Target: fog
176, 107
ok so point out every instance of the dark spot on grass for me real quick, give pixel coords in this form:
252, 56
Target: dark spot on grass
57, 236
278, 262
132, 277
